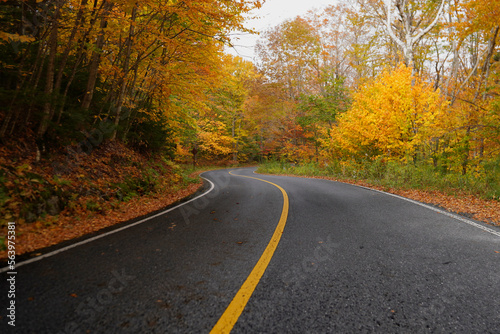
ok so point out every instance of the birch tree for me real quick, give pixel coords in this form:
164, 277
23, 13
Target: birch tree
413, 21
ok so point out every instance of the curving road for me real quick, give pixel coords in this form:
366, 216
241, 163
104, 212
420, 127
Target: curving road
349, 260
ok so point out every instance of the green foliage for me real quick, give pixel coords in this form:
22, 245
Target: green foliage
93, 206
324, 107
149, 135
492, 178
282, 167
484, 181
135, 186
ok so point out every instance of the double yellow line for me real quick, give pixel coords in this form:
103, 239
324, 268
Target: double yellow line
233, 311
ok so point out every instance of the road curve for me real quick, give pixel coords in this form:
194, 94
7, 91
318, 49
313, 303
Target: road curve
349, 260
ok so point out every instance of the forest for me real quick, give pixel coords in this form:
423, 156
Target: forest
392, 88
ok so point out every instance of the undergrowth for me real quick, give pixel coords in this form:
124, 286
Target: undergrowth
84, 184
482, 182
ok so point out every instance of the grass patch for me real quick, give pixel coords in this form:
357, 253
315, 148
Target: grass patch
483, 182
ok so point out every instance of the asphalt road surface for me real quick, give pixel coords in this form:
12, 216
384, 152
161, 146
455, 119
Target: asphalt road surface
348, 260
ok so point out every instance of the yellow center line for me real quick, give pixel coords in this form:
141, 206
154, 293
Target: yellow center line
235, 308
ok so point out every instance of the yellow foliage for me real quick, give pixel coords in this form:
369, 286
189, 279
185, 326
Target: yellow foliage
6, 37
391, 116
182, 153
213, 140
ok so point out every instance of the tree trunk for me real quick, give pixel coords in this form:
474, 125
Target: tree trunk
126, 65
454, 64
235, 155
64, 58
96, 57
410, 40
487, 65
465, 159
49, 78
129, 123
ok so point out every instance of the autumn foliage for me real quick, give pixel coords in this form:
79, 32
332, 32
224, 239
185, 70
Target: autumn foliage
395, 116
98, 98
145, 67
372, 85
364, 88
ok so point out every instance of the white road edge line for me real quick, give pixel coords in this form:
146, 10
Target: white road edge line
86, 241
441, 211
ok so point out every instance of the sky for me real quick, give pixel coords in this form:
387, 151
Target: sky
272, 13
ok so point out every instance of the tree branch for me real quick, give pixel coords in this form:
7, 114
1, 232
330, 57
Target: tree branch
426, 30
389, 28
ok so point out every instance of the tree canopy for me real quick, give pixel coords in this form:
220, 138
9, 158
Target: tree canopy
412, 81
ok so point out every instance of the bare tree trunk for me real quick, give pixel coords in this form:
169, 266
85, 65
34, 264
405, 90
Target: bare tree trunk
126, 66
96, 57
36, 70
129, 124
235, 155
49, 78
454, 64
465, 160
487, 65
64, 58
474, 70
80, 57
410, 40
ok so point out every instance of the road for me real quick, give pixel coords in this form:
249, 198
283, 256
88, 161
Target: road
345, 260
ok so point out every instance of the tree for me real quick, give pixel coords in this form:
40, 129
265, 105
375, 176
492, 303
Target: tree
392, 116
88, 61
289, 55
415, 19
228, 97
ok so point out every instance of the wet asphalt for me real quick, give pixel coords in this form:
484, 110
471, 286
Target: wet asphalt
350, 260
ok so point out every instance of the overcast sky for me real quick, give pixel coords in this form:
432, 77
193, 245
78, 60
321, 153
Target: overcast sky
272, 13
